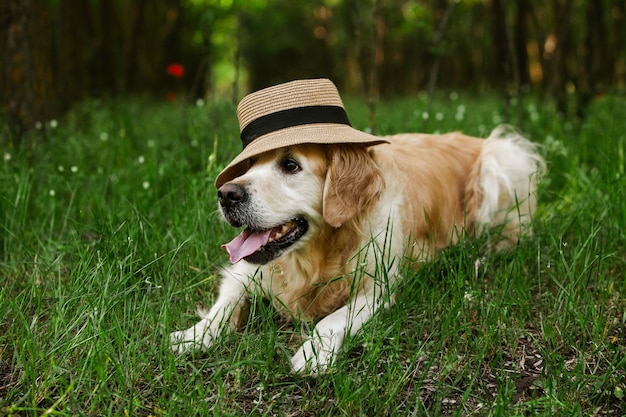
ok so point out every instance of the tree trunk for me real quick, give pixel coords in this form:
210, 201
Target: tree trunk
26, 84
560, 40
436, 47
137, 40
616, 50
106, 64
520, 39
594, 69
70, 51
499, 38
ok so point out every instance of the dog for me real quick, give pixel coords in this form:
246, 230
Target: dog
329, 227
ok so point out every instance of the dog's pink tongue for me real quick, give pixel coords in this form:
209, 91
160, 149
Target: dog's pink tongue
246, 244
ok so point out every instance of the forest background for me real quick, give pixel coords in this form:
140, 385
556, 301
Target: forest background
56, 53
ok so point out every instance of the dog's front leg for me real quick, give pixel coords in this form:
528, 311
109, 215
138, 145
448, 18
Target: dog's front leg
320, 350
224, 315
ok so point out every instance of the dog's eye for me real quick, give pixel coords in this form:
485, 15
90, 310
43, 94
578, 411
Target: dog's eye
289, 165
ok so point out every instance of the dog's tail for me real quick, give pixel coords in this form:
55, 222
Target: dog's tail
506, 177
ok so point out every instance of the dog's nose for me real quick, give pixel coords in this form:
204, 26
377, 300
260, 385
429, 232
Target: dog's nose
231, 195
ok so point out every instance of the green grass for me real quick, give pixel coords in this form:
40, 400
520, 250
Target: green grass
109, 237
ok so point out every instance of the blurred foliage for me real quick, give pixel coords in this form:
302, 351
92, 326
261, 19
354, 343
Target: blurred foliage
59, 52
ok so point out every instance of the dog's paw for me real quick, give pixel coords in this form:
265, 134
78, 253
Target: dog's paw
190, 339
316, 355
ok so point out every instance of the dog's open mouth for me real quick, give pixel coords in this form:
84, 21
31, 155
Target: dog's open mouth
262, 246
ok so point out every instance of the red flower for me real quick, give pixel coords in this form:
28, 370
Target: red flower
176, 70
170, 96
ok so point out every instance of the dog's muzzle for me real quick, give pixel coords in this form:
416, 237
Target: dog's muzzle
256, 244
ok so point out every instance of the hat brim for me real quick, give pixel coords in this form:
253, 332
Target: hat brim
328, 134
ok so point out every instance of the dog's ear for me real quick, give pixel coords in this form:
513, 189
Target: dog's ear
352, 180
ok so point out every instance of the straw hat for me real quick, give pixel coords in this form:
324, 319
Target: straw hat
301, 111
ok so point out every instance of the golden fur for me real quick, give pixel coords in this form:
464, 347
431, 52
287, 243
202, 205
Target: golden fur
368, 211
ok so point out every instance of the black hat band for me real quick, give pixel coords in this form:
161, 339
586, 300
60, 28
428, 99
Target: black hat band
296, 116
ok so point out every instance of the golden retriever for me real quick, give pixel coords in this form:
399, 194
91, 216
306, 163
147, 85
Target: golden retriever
328, 228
